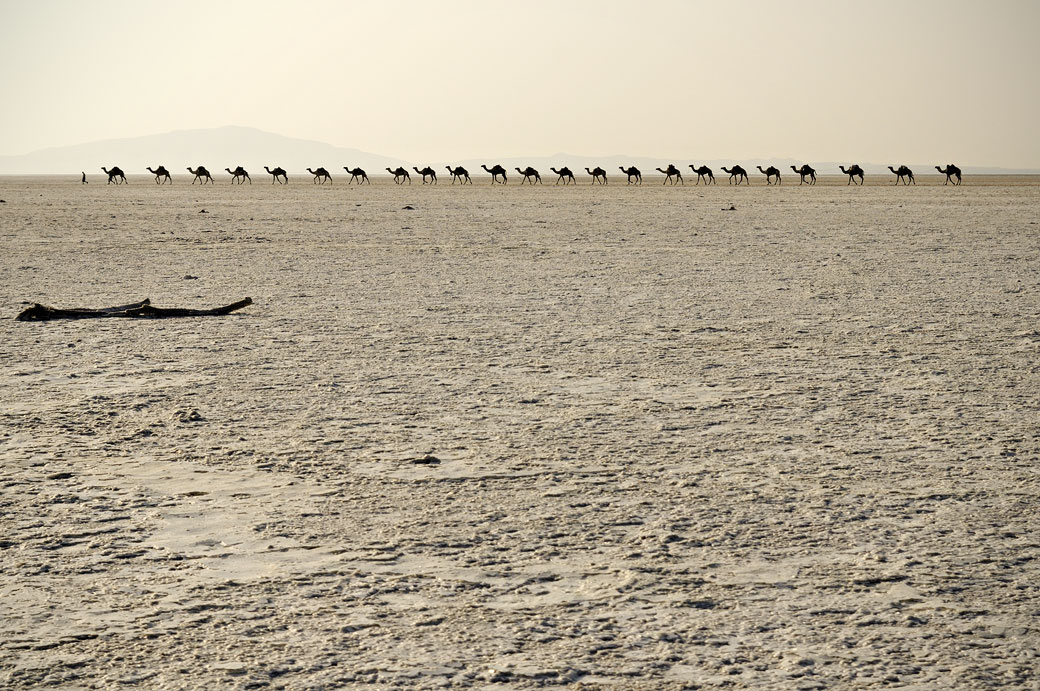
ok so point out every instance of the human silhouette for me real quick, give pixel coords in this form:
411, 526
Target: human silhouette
84, 181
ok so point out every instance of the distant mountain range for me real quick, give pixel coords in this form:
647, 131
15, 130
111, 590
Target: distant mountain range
216, 148
251, 148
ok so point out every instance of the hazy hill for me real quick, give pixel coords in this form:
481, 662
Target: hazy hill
251, 148
217, 148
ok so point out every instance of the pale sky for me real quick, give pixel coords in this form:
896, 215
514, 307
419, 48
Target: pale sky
876, 80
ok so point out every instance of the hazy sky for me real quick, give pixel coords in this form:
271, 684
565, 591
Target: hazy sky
877, 80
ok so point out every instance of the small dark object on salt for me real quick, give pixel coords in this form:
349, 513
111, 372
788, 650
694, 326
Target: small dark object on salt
731, 208
426, 460
408, 207
203, 212
136, 310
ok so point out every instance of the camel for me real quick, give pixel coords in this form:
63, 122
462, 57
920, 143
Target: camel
736, 172
854, 171
161, 173
529, 173
115, 176
903, 174
564, 174
357, 174
495, 172
597, 173
320, 174
704, 172
426, 171
277, 173
460, 174
806, 171
672, 170
769, 173
238, 174
200, 174
400, 175
951, 172
632, 172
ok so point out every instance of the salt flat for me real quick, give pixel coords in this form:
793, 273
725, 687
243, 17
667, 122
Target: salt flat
788, 445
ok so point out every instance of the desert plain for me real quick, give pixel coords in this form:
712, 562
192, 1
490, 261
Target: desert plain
499, 437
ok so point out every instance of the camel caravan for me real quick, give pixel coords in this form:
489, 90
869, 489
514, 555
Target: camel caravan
564, 176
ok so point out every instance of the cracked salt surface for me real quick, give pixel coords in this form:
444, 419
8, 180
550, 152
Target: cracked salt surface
790, 446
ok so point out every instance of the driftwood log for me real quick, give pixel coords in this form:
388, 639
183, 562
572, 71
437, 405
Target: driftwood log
137, 310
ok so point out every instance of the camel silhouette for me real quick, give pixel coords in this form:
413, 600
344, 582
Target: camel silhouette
669, 172
495, 171
277, 173
239, 173
161, 173
597, 173
357, 174
769, 173
951, 172
704, 172
115, 176
400, 175
806, 171
736, 172
633, 173
426, 171
460, 174
320, 174
200, 174
529, 173
903, 174
854, 171
564, 174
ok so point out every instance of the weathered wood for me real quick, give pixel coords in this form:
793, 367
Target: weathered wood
136, 310
40, 312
